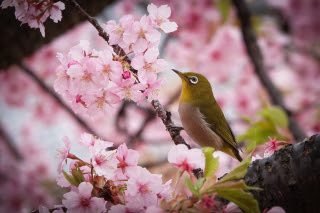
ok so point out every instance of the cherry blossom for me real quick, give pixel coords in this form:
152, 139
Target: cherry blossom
63, 153
81, 201
103, 161
186, 159
272, 146
148, 65
145, 34
109, 69
35, 13
143, 187
116, 32
159, 17
126, 157
129, 90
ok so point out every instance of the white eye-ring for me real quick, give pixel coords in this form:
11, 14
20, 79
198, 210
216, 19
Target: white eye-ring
193, 80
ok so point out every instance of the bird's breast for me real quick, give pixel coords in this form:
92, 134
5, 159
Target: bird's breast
197, 128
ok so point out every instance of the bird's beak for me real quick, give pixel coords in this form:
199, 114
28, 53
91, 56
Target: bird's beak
181, 75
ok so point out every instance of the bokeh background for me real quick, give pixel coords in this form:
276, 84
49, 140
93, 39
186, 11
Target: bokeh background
208, 41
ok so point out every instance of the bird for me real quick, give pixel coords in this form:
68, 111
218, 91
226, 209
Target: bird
202, 117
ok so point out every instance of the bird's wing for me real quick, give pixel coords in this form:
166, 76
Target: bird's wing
219, 124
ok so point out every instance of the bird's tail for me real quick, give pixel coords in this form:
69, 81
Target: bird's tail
232, 152
237, 155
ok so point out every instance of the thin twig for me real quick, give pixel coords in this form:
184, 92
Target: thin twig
92, 20
45, 88
256, 58
10, 144
165, 116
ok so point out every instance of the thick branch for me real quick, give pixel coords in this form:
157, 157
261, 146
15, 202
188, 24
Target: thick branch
256, 58
290, 178
51, 93
20, 41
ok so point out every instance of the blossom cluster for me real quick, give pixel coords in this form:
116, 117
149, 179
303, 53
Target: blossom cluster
113, 177
35, 13
92, 80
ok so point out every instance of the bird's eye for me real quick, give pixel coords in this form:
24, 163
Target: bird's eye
193, 80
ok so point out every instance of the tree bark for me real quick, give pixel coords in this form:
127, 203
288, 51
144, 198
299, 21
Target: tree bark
290, 178
18, 41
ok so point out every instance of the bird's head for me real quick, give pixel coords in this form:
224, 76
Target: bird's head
196, 88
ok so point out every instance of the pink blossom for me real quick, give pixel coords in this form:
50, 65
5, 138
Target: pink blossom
62, 182
116, 32
232, 208
166, 192
100, 101
81, 201
94, 144
126, 157
272, 146
87, 140
154, 209
35, 13
186, 159
145, 34
153, 89
128, 208
256, 157
103, 161
275, 209
63, 153
129, 90
148, 65
143, 187
109, 70
79, 51
55, 11
159, 17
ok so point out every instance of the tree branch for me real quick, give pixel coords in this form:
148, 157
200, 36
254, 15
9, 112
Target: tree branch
20, 41
92, 20
256, 58
173, 130
51, 93
10, 144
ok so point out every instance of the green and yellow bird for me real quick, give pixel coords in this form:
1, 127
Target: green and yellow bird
202, 117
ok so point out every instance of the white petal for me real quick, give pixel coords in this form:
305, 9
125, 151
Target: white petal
151, 55
169, 27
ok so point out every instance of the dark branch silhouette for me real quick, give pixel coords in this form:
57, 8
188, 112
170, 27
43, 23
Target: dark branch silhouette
256, 58
10, 144
19, 41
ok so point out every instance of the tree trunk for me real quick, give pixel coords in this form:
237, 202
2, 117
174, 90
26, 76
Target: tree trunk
289, 178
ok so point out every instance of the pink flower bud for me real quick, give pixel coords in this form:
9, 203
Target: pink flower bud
126, 74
